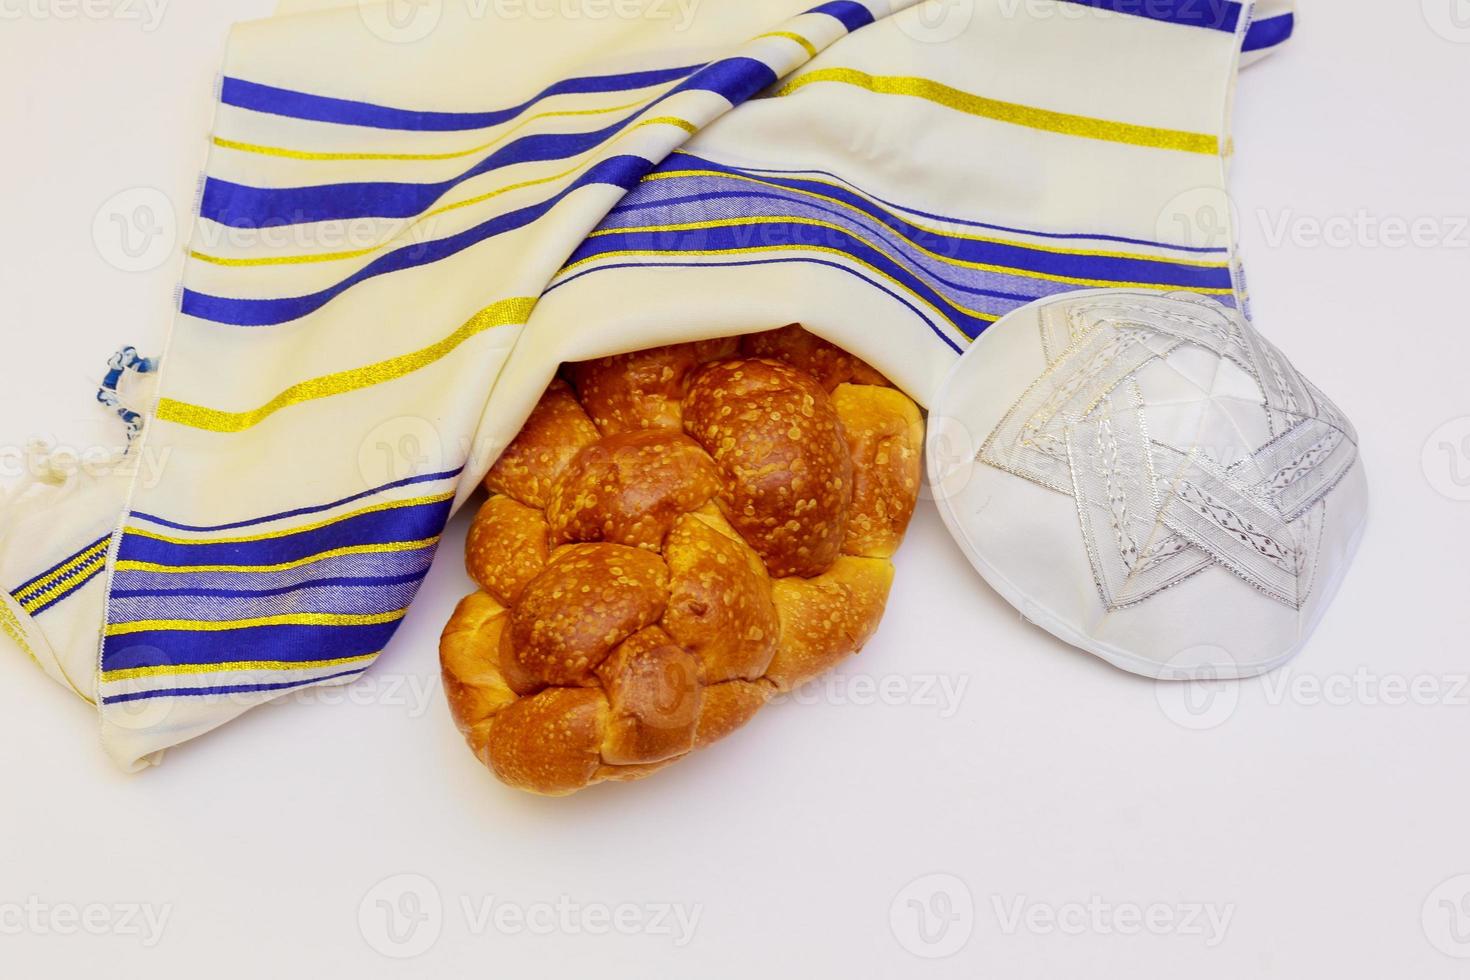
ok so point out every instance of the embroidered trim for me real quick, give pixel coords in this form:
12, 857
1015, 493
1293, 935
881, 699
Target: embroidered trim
1153, 515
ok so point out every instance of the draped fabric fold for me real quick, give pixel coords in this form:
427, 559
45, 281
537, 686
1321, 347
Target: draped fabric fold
407, 224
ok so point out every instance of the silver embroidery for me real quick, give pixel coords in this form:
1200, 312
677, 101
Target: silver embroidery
1152, 515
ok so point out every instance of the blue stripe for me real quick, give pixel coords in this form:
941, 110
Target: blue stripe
243, 206
72, 587
892, 243
303, 511
1218, 15
730, 239
290, 644
352, 599
618, 171
185, 692
72, 557
1269, 32
364, 565
913, 273
217, 593
1159, 271
348, 112
852, 15
702, 163
937, 331
381, 527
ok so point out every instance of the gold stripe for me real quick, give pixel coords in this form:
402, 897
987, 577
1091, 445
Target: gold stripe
284, 259
1015, 243
500, 314
964, 263
82, 559
269, 535
81, 577
807, 46
172, 670
757, 249
356, 549
11, 627
225, 626
1066, 123
290, 154
683, 124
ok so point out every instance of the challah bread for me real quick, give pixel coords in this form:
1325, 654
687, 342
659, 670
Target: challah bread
674, 536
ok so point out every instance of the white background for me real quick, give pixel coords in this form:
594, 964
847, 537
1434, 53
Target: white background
1313, 808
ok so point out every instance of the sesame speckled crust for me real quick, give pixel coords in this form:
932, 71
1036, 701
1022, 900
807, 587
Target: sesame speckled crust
676, 535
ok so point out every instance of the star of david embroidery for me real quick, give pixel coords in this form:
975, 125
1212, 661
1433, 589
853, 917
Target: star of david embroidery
1248, 492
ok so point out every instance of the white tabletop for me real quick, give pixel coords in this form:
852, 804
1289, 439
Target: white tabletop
967, 786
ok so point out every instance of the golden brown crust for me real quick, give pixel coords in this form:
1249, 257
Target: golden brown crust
654, 693
508, 545
825, 618
536, 458
885, 435
472, 681
587, 601
727, 706
644, 389
775, 434
630, 487
720, 605
647, 582
828, 364
549, 743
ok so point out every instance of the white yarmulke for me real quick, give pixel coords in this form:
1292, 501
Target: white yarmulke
1146, 477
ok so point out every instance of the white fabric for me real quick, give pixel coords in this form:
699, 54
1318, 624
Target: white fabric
915, 180
1148, 479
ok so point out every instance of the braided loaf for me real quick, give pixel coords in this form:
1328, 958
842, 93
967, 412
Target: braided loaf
674, 536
